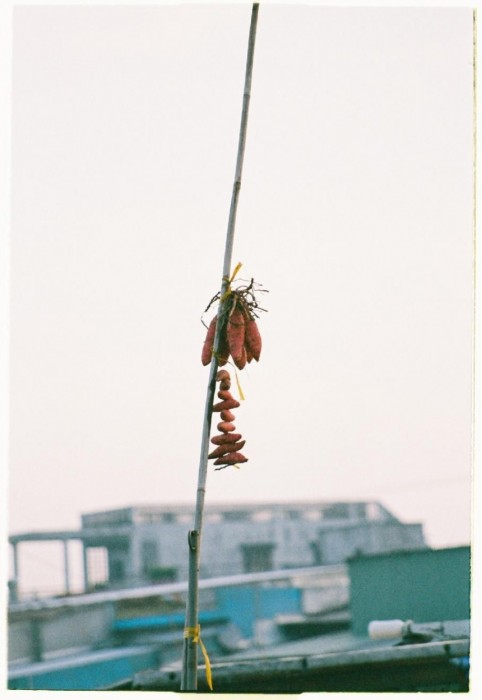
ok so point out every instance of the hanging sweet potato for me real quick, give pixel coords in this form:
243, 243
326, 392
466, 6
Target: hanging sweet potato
241, 361
225, 427
226, 438
225, 405
223, 349
231, 458
235, 334
226, 449
225, 395
253, 339
207, 351
227, 416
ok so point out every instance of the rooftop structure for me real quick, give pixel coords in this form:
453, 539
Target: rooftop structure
139, 545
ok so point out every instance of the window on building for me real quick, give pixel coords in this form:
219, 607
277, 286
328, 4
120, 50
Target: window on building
257, 557
236, 515
294, 514
336, 511
316, 553
359, 511
116, 570
149, 555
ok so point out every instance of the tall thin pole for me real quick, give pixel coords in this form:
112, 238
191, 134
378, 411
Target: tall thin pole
189, 663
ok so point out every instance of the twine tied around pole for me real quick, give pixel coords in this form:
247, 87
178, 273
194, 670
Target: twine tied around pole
194, 633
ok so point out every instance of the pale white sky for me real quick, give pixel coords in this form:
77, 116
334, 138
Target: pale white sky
356, 213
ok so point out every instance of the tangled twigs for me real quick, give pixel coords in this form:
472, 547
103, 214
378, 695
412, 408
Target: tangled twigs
228, 442
239, 334
247, 292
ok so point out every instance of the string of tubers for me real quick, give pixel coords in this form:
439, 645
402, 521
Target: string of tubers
240, 339
228, 442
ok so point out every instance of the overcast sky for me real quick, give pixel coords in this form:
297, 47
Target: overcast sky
356, 213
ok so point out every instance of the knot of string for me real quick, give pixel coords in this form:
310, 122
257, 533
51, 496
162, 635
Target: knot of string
194, 633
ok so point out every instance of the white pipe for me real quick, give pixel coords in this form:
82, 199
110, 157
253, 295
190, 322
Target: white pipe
388, 629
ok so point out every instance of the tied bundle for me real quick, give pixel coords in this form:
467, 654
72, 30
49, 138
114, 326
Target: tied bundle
228, 442
239, 336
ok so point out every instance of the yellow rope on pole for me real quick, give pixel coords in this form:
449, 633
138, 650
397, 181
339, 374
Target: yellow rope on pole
235, 271
241, 394
194, 633
228, 281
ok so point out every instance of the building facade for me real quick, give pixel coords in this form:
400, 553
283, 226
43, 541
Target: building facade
140, 545
149, 543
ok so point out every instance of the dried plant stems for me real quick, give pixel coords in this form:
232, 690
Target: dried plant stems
190, 662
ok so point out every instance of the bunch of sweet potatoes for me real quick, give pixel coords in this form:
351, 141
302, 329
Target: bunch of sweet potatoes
239, 337
228, 442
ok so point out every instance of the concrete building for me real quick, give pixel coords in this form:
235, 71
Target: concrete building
145, 544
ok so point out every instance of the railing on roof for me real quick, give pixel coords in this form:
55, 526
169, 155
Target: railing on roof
336, 572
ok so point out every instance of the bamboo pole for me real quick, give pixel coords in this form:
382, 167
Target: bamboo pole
189, 661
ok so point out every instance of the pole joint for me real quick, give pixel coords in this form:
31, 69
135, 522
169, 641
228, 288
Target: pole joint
193, 539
